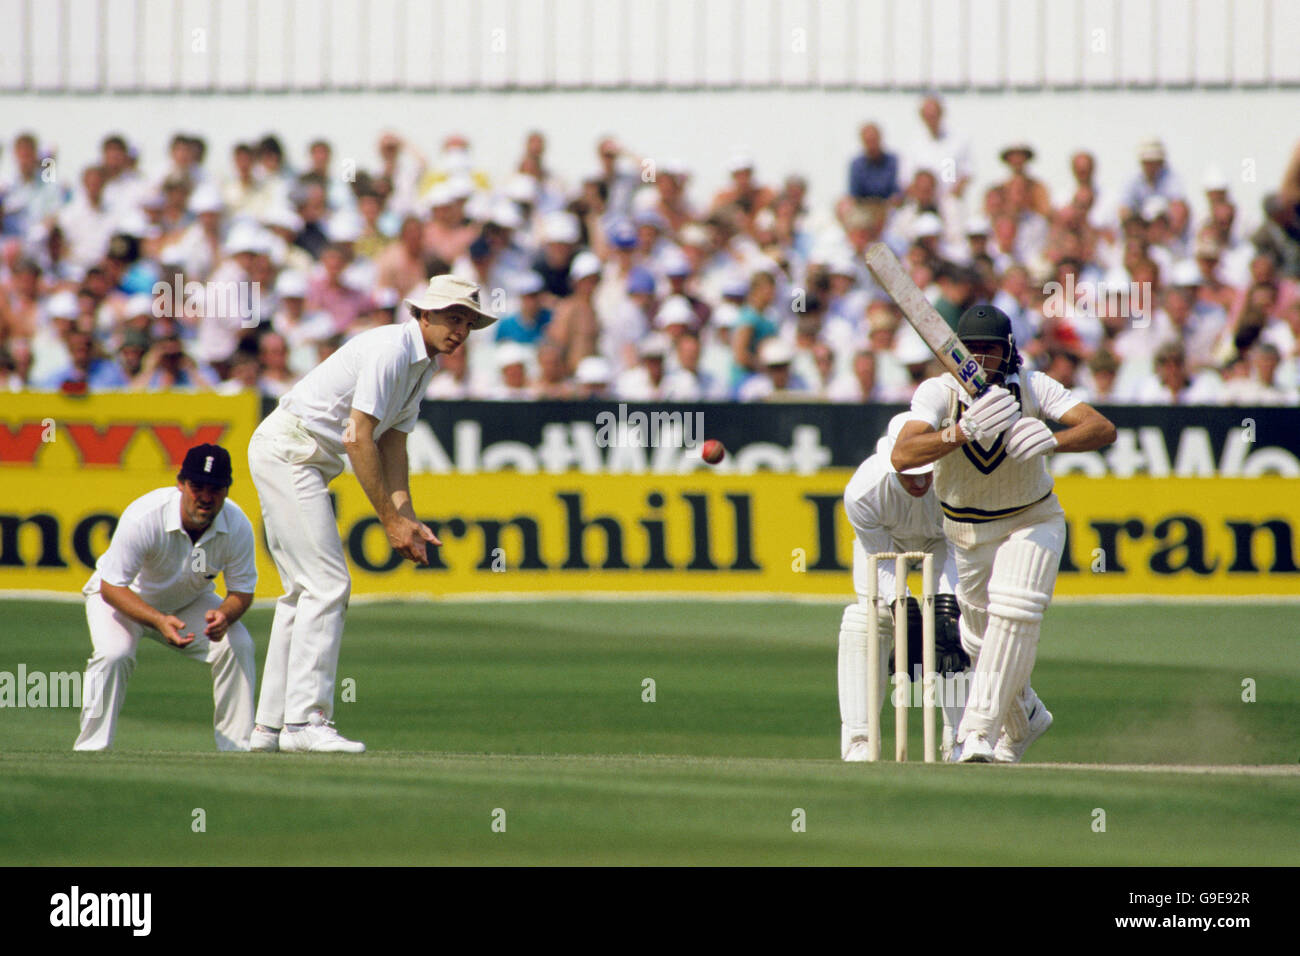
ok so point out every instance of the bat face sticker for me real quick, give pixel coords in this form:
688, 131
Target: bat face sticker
968, 370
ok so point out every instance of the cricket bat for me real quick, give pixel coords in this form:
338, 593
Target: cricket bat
929, 324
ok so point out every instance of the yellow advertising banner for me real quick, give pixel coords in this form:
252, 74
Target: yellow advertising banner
69, 466
66, 475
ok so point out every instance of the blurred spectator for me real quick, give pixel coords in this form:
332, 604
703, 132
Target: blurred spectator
244, 374
619, 177
451, 381
630, 322
167, 366
87, 369
313, 210
939, 150
32, 196
329, 293
560, 238
1017, 157
574, 326
1098, 379
688, 382
87, 222
338, 194
553, 380
302, 331
15, 365
644, 382
756, 323
21, 308
873, 174
1172, 385
593, 378
744, 193
448, 234
402, 165
243, 192
402, 264
1155, 180
124, 187
273, 353
527, 325
858, 386
775, 382
513, 361
1259, 385
130, 354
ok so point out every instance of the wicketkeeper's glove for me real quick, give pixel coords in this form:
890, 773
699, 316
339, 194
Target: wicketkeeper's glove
949, 656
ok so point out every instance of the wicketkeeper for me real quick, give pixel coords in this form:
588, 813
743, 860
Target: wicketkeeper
895, 511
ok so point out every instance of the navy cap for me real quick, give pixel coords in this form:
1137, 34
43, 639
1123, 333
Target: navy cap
207, 465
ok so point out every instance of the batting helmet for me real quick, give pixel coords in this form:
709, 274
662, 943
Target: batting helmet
988, 323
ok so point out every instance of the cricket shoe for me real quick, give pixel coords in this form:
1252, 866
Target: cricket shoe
949, 749
1010, 751
857, 752
318, 736
264, 741
975, 749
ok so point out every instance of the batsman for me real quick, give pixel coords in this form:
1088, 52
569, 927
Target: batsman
1001, 518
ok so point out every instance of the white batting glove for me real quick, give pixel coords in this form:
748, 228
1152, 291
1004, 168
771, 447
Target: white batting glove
990, 415
1029, 437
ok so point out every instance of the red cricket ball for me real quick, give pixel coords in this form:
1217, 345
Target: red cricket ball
713, 451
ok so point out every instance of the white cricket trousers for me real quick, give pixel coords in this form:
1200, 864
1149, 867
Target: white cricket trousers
292, 477
114, 637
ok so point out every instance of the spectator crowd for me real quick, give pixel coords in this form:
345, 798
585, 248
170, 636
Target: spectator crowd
245, 272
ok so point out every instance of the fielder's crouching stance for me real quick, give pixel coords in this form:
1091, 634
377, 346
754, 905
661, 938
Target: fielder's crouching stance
1002, 519
157, 579
893, 511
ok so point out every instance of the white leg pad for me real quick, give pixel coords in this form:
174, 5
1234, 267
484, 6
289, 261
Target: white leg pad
1010, 648
854, 718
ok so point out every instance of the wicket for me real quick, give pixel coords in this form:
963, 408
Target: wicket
902, 675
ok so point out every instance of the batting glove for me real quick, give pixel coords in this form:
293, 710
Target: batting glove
1029, 437
990, 415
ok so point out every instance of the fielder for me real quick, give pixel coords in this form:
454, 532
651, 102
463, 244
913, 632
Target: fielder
1002, 519
361, 402
893, 511
157, 579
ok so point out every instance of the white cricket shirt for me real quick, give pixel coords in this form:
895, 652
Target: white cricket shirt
383, 372
152, 554
886, 518
980, 483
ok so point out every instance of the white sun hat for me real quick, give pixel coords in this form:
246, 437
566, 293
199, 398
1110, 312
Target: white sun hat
447, 292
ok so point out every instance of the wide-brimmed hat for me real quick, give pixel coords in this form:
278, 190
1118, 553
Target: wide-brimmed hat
448, 292
1020, 147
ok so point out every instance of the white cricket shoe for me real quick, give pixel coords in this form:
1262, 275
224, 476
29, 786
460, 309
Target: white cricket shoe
975, 749
1010, 751
264, 741
857, 752
948, 747
319, 736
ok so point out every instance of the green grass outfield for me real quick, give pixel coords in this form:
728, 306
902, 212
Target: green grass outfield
536, 709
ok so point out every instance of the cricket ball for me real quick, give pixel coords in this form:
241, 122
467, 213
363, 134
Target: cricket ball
713, 451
